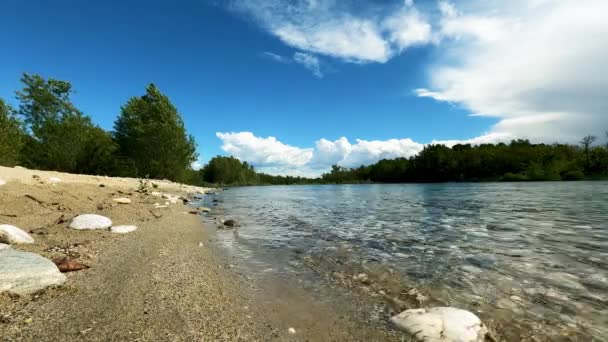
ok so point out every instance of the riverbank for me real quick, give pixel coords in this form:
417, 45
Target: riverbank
157, 283
161, 282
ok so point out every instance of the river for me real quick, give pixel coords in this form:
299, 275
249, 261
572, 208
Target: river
531, 259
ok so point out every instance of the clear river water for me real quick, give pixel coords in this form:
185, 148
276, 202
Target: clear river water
515, 253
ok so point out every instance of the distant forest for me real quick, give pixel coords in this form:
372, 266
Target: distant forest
46, 131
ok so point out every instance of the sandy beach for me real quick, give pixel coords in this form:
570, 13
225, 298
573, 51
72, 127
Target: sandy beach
162, 282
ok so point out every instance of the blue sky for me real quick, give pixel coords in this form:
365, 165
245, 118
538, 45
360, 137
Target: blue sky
292, 85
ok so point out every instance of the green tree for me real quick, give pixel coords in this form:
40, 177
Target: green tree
150, 133
62, 137
587, 141
12, 136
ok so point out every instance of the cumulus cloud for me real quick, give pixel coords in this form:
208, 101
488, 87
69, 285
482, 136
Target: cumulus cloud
272, 156
267, 151
538, 66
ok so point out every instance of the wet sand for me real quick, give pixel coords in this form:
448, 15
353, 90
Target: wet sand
163, 282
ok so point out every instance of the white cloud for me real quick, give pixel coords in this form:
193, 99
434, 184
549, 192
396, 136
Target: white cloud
407, 28
275, 57
334, 29
488, 138
263, 151
272, 156
310, 62
537, 66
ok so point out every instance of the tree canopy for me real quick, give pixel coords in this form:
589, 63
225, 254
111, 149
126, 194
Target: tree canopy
12, 136
150, 133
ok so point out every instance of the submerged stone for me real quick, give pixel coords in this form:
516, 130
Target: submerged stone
441, 324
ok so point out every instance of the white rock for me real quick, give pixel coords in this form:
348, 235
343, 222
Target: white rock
2, 182
441, 324
13, 235
4, 246
23, 273
291, 331
123, 229
122, 200
90, 221
54, 180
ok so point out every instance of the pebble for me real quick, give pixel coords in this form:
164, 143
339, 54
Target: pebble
2, 182
122, 200
122, 229
441, 324
90, 222
13, 235
291, 331
54, 180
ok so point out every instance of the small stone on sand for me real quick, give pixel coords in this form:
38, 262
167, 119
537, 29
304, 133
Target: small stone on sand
122, 200
13, 235
90, 221
123, 229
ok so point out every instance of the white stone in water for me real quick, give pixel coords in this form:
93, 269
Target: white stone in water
24, 273
13, 235
441, 324
123, 229
122, 200
90, 221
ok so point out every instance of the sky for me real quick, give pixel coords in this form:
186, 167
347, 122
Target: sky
294, 86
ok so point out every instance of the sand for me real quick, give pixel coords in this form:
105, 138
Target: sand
162, 282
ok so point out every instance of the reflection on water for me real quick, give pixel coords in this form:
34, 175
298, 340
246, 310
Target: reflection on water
534, 252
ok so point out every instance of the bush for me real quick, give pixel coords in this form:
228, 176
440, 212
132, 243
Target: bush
573, 176
12, 136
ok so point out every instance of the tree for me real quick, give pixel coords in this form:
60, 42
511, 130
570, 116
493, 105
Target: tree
62, 138
150, 133
12, 136
587, 141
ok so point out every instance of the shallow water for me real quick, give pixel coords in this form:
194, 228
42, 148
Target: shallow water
515, 252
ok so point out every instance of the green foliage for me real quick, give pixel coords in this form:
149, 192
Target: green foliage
229, 170
573, 175
62, 138
518, 161
12, 136
150, 133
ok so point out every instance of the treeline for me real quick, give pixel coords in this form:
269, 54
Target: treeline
231, 171
518, 161
48, 132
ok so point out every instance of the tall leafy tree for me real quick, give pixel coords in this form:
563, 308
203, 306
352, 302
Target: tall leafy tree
151, 134
62, 137
12, 136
